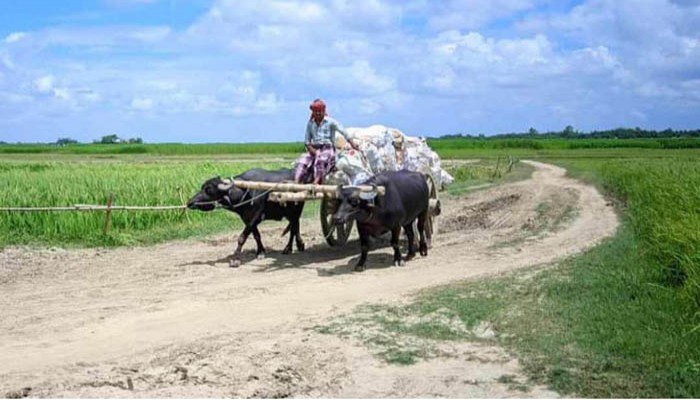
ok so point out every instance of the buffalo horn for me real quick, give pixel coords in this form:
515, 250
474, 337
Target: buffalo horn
225, 184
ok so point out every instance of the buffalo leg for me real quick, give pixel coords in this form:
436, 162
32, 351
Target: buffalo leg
288, 248
423, 246
395, 234
411, 241
260, 253
293, 233
297, 233
364, 249
235, 260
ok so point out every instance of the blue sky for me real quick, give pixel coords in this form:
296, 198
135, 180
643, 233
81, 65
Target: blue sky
246, 70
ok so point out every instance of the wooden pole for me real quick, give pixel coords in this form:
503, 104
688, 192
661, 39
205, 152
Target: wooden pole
108, 214
293, 197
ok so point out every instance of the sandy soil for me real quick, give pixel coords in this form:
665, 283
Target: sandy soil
174, 321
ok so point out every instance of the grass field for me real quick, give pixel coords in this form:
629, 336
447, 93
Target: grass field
146, 182
634, 334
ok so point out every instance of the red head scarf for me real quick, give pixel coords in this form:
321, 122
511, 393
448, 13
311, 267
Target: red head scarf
317, 105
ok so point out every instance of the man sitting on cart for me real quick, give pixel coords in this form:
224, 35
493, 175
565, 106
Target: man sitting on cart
319, 159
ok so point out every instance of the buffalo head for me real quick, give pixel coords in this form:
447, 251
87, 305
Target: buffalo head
353, 203
213, 191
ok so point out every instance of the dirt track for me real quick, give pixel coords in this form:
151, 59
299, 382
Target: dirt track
174, 321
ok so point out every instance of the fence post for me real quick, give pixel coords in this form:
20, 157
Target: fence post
496, 172
108, 214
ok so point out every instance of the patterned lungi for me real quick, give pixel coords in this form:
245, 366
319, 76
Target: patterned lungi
319, 166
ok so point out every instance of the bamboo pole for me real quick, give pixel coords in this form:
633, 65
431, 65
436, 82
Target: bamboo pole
298, 187
293, 197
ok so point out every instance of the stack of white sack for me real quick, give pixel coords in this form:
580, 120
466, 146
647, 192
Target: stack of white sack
387, 149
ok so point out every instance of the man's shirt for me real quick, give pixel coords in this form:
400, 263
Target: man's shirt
324, 133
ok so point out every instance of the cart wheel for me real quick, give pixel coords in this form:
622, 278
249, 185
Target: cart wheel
431, 225
338, 235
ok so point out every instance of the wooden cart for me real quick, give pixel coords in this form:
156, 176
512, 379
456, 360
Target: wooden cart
336, 235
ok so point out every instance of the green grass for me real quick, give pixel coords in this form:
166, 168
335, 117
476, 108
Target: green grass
166, 149
59, 183
474, 175
448, 147
562, 144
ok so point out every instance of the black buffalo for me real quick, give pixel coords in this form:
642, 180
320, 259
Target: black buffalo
252, 206
406, 199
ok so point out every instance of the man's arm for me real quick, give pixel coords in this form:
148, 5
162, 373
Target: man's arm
339, 129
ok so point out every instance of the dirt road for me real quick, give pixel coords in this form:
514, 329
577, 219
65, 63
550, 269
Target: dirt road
174, 321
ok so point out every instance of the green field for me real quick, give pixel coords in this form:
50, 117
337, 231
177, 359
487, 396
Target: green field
143, 182
635, 333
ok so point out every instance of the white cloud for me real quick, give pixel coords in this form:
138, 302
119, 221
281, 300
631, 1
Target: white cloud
62, 94
141, 104
359, 77
149, 35
44, 84
15, 37
369, 106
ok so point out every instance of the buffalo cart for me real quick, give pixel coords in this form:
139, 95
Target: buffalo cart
327, 194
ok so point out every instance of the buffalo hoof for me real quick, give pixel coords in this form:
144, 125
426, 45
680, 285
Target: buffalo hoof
360, 268
287, 250
234, 263
301, 246
410, 256
260, 256
398, 263
423, 249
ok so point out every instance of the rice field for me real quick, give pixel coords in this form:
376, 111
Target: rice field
144, 183
663, 202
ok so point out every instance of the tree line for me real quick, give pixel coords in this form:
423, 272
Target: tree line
108, 139
569, 132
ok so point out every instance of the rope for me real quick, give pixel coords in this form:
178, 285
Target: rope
242, 203
89, 207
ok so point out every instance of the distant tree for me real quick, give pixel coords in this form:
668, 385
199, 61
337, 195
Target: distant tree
65, 141
110, 139
136, 140
569, 132
532, 131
